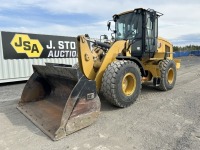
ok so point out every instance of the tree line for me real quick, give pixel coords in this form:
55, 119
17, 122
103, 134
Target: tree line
186, 48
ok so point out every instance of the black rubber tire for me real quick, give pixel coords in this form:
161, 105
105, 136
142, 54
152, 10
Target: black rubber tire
111, 87
164, 66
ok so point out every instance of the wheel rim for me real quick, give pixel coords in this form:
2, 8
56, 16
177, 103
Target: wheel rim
170, 76
128, 84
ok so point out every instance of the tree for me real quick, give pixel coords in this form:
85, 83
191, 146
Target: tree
186, 48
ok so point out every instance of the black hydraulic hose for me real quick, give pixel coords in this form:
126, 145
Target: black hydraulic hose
102, 44
97, 43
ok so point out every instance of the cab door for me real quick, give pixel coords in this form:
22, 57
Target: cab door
151, 35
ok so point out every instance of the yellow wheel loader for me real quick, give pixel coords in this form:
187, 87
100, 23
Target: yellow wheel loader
61, 99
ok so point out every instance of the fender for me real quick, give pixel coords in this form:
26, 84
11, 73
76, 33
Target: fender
136, 60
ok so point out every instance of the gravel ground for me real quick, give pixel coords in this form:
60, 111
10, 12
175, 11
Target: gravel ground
157, 120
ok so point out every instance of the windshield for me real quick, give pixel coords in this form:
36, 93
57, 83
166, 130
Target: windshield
128, 26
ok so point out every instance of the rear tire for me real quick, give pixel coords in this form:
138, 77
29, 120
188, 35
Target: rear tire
121, 83
168, 75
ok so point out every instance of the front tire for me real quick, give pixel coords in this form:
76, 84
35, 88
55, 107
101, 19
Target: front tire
121, 83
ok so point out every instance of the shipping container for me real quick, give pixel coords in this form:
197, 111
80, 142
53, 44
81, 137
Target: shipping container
187, 53
19, 51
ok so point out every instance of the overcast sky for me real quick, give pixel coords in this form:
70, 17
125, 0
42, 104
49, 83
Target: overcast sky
180, 23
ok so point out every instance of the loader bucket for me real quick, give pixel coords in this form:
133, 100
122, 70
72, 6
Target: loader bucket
59, 100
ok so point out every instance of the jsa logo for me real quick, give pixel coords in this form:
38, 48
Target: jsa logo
23, 44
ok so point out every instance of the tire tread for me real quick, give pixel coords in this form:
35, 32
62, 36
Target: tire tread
109, 81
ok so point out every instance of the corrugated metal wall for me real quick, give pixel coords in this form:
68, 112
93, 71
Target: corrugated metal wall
180, 54
21, 69
187, 53
196, 53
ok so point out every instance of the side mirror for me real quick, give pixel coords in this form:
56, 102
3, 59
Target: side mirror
108, 25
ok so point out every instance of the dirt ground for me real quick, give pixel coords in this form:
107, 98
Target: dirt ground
157, 120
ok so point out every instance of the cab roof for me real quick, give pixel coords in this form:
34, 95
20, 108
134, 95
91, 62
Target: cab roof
142, 9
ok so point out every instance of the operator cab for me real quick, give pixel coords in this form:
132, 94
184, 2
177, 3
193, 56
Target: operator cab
140, 27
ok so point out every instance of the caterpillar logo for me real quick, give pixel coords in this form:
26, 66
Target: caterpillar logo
23, 44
